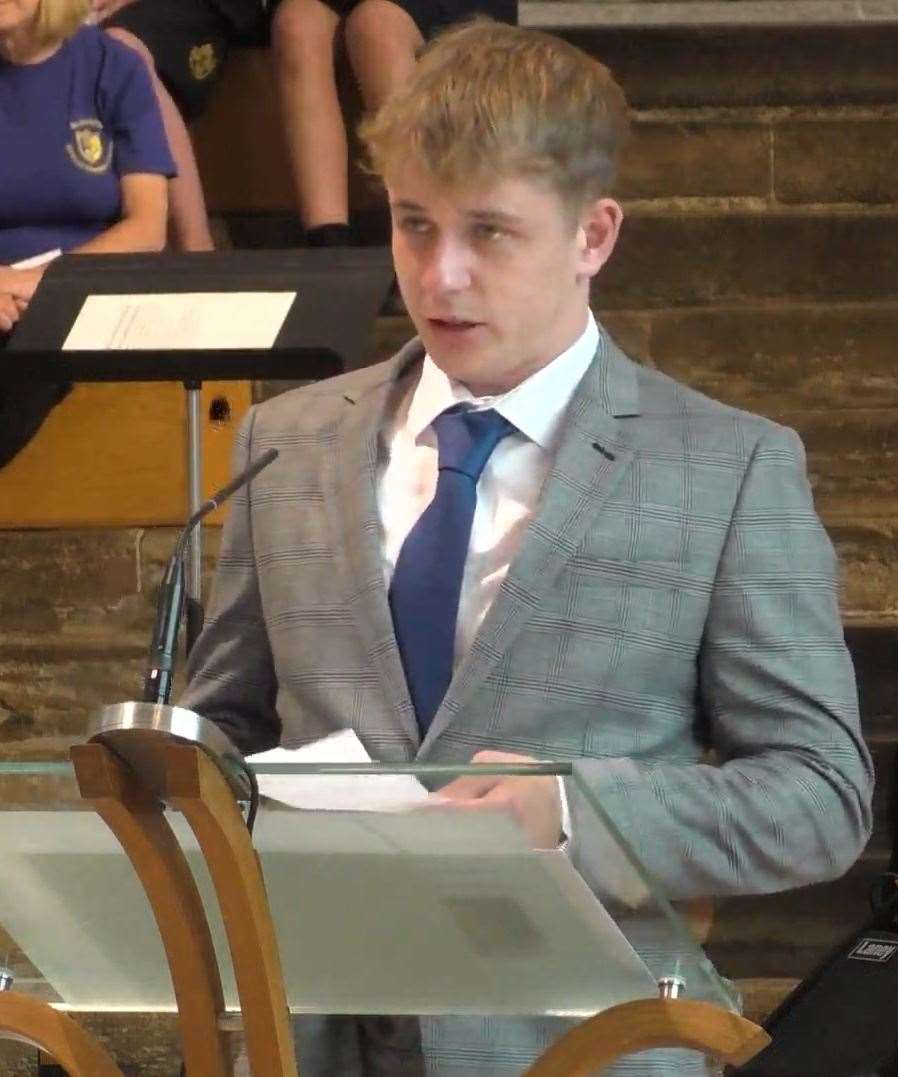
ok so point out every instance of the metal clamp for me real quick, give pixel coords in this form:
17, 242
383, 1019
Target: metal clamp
671, 986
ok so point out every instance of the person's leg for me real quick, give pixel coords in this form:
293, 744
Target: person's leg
382, 42
303, 33
188, 221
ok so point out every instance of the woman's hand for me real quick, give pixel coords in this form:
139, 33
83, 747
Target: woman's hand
21, 283
10, 309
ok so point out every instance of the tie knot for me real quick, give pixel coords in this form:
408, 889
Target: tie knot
466, 438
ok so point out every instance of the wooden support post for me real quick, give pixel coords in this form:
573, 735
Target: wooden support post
137, 819
196, 786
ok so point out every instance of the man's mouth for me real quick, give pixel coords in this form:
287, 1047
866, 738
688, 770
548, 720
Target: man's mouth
453, 324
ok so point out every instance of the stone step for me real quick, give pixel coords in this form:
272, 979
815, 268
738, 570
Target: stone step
774, 357
867, 550
785, 156
697, 157
835, 159
730, 67
852, 458
703, 14
700, 259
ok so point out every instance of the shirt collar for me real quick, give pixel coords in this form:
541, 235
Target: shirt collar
535, 407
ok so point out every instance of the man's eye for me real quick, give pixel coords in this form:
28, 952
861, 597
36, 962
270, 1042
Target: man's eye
488, 232
415, 225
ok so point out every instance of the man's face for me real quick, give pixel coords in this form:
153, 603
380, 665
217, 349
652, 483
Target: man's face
495, 277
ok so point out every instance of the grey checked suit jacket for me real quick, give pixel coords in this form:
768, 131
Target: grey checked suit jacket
674, 593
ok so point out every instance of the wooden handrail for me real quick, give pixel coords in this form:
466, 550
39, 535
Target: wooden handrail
646, 1024
37, 1023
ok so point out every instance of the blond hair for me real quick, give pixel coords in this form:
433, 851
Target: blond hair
59, 19
488, 100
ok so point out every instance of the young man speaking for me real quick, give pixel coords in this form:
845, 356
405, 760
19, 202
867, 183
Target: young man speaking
511, 542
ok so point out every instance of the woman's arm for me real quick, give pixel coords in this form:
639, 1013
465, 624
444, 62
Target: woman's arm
142, 226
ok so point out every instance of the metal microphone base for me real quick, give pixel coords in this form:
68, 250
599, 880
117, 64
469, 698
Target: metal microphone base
138, 734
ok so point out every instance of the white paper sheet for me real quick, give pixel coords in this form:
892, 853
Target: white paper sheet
336, 792
187, 320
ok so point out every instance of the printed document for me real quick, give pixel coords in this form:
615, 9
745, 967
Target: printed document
182, 320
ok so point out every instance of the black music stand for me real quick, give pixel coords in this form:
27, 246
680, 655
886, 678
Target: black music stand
338, 296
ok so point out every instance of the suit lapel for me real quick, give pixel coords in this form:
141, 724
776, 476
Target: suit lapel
592, 457
350, 497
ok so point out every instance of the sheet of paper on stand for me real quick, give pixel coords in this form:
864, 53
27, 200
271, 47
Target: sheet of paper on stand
336, 792
182, 320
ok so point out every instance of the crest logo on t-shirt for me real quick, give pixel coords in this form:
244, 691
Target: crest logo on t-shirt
202, 61
89, 149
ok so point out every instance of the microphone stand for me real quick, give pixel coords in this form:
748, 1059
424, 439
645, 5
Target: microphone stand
172, 597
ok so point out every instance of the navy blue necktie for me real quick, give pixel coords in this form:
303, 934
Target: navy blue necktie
427, 579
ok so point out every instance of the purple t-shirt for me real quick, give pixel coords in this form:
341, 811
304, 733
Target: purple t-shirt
70, 127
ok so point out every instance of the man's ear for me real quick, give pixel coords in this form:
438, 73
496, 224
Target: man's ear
597, 234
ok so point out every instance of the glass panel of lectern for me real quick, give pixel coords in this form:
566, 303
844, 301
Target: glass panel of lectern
386, 900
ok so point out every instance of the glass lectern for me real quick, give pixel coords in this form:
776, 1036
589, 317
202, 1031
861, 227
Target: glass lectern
375, 896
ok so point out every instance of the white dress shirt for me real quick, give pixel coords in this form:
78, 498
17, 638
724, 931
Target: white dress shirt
509, 486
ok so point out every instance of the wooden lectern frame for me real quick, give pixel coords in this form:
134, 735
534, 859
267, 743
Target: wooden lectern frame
196, 787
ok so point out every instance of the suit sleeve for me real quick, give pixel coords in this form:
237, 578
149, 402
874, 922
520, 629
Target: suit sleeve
231, 678
787, 801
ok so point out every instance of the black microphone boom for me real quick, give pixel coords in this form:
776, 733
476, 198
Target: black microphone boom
170, 607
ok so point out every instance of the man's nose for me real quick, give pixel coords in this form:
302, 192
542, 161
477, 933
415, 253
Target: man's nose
448, 267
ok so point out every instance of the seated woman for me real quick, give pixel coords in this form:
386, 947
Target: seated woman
84, 162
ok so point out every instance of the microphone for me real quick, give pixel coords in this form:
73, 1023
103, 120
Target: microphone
158, 682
